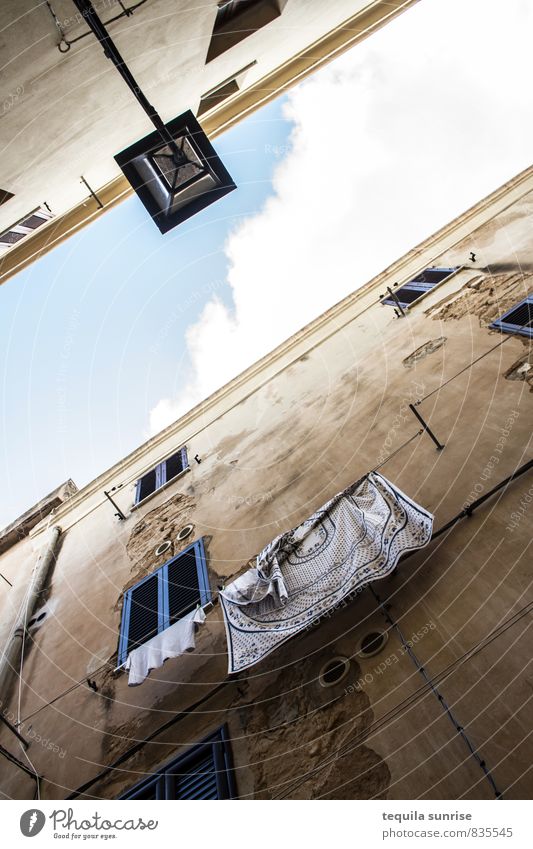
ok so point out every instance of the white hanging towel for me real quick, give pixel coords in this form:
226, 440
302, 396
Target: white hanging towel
173, 641
357, 537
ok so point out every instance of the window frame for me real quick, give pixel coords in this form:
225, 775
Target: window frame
415, 285
22, 229
161, 475
162, 779
163, 613
507, 327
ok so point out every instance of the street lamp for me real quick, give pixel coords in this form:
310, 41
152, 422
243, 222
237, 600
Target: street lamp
175, 170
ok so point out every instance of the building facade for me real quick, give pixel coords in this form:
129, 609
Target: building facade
420, 686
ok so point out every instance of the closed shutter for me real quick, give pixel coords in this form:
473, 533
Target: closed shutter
199, 781
144, 614
167, 595
521, 316
183, 585
519, 319
204, 772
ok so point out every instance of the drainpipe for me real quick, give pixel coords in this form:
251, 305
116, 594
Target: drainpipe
12, 654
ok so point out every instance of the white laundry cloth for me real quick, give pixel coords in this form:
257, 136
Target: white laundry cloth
356, 538
173, 641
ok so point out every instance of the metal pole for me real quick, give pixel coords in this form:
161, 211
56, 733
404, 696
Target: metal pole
426, 427
93, 194
395, 297
120, 515
110, 50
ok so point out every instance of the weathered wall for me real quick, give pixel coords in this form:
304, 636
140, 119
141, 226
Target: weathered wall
278, 442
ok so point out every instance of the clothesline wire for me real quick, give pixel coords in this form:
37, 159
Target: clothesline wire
343, 750
403, 445
477, 359
438, 678
466, 512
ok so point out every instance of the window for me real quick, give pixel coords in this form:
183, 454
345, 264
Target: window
419, 285
17, 232
519, 319
163, 597
237, 19
5, 196
204, 772
161, 475
223, 90
217, 95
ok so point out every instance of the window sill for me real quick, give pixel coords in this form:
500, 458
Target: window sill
160, 490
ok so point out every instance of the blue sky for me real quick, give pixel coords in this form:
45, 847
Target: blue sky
93, 334
119, 331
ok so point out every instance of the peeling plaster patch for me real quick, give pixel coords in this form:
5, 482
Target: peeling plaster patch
294, 717
164, 522
487, 297
423, 351
522, 369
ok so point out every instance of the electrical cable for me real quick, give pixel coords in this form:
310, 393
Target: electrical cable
214, 596
409, 701
446, 708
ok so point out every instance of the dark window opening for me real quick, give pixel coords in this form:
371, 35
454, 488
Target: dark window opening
204, 772
519, 319
418, 286
164, 597
5, 196
237, 20
147, 485
162, 474
209, 101
24, 227
174, 465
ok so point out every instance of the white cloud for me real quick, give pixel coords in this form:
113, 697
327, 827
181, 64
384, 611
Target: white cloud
388, 143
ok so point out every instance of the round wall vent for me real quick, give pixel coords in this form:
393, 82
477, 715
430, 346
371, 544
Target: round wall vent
185, 532
333, 671
372, 643
163, 548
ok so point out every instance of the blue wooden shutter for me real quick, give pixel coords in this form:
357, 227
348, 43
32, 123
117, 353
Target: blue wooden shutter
163, 598
186, 582
142, 614
519, 319
204, 772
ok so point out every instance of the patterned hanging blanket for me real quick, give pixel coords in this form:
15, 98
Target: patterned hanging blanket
356, 538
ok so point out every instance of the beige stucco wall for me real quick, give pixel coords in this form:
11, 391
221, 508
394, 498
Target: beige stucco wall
275, 444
